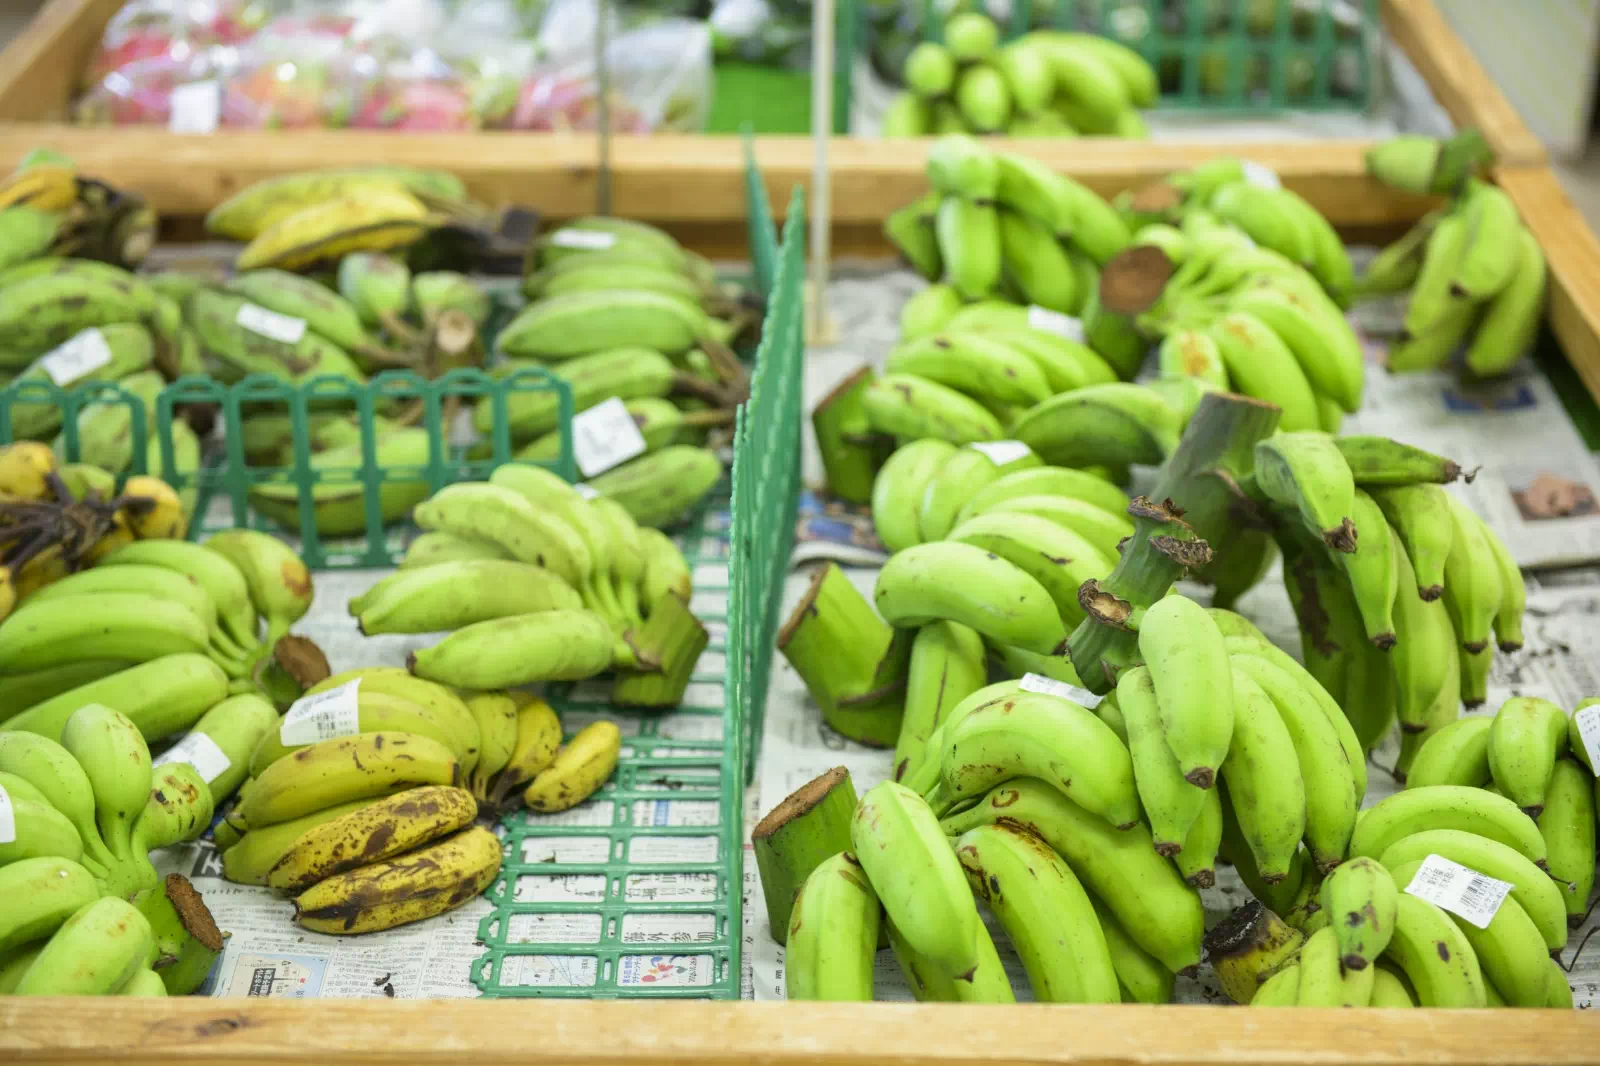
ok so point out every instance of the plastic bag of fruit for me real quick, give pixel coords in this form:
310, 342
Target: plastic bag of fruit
660, 79
141, 92
175, 30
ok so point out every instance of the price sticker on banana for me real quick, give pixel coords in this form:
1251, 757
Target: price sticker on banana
196, 107
200, 752
334, 713
1001, 452
1260, 175
604, 436
77, 358
1049, 686
588, 240
1459, 889
285, 329
586, 490
1588, 722
1047, 321
8, 818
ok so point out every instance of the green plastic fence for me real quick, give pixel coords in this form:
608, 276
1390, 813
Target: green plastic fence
1230, 56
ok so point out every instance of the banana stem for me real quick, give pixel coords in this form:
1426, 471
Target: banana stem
851, 452
690, 385
851, 661
811, 825
1196, 495
674, 638
728, 368
187, 940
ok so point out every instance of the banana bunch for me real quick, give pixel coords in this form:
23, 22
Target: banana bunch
1399, 588
1473, 276
1181, 213
1534, 754
95, 799
1003, 225
56, 519
47, 208
1448, 899
431, 321
1042, 84
182, 617
536, 582
298, 220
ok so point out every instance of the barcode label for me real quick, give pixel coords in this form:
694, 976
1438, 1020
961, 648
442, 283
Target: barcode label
1459, 889
1261, 176
200, 752
285, 329
1001, 452
604, 436
8, 819
587, 491
76, 358
1049, 686
589, 240
334, 713
1047, 321
1588, 719
196, 107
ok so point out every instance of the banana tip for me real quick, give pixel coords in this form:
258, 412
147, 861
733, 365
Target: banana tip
411, 662
1509, 646
1201, 777
1167, 849
1430, 593
1384, 641
1534, 811
1353, 961
1203, 879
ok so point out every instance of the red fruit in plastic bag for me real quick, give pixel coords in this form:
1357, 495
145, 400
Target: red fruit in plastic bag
416, 105
283, 95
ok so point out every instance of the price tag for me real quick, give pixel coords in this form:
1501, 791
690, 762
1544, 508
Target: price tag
1047, 321
334, 713
587, 491
200, 752
604, 436
587, 239
1262, 177
1001, 452
77, 358
8, 819
284, 328
1459, 889
1588, 719
196, 108
1049, 686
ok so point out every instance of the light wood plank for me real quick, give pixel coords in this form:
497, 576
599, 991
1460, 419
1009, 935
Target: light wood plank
681, 179
1458, 80
580, 1033
39, 69
1573, 253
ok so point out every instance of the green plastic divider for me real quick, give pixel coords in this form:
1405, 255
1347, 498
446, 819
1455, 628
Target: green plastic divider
1221, 56
637, 893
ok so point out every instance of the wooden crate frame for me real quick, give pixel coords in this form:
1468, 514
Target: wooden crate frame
692, 185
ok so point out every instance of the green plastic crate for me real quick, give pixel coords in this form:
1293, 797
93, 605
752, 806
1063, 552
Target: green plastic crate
651, 869
1221, 56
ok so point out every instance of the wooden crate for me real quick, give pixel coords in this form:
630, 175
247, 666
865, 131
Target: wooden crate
692, 185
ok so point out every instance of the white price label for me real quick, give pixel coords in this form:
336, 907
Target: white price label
1001, 452
334, 713
81, 356
1459, 889
196, 108
8, 820
1049, 686
200, 752
283, 328
586, 490
1047, 321
604, 436
587, 239
1261, 176
1588, 719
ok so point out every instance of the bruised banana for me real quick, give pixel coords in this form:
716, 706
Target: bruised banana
376, 832
341, 770
580, 767
420, 884
377, 221
445, 722
254, 209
